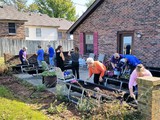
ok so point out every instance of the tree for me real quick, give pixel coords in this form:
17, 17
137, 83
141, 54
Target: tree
89, 3
32, 8
19, 4
57, 8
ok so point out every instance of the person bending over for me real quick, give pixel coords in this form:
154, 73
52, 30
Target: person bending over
140, 71
96, 68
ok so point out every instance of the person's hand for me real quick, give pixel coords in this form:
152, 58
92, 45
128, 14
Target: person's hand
100, 79
132, 95
88, 78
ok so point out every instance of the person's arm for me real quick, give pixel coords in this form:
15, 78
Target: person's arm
132, 79
69, 53
62, 56
113, 65
90, 72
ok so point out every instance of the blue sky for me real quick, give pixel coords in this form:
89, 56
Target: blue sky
80, 6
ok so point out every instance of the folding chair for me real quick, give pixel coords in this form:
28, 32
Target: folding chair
92, 55
101, 58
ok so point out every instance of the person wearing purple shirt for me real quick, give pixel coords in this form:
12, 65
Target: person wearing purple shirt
23, 55
140, 71
115, 59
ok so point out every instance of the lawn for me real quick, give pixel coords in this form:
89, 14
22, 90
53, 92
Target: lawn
12, 109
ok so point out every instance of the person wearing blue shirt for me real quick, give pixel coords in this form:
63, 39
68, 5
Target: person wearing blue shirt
131, 60
115, 59
51, 55
40, 56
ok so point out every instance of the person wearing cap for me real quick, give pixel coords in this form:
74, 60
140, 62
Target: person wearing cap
40, 56
131, 60
115, 59
23, 55
51, 55
96, 68
139, 71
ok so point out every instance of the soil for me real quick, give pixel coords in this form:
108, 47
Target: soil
36, 99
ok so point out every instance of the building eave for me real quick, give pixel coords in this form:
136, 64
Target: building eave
85, 15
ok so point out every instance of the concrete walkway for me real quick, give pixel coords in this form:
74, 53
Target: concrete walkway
37, 80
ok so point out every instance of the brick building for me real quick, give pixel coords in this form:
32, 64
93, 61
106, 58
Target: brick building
11, 23
108, 26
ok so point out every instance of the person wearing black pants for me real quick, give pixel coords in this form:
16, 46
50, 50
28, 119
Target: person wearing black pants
75, 69
98, 69
96, 79
75, 63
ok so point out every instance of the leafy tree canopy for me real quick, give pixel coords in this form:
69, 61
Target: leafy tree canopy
19, 4
57, 8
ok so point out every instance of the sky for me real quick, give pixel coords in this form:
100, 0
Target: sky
80, 6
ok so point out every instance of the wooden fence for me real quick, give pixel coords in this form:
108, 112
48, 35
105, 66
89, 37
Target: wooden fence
13, 46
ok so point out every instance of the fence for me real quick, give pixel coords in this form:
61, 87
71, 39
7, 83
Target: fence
13, 46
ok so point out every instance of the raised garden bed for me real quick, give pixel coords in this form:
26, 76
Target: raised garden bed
33, 70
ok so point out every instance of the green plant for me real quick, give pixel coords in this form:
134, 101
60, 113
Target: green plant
48, 73
4, 92
60, 93
85, 105
57, 108
40, 88
115, 111
3, 69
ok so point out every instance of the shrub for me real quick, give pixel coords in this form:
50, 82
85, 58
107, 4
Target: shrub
116, 111
3, 69
57, 108
40, 88
60, 93
85, 105
48, 73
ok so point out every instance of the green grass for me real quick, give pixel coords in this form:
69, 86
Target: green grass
12, 109
1, 60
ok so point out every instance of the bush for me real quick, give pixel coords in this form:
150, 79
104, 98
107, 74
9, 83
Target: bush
85, 105
60, 93
40, 88
48, 73
116, 111
3, 69
57, 108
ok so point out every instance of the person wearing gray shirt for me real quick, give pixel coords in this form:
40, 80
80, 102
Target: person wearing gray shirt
75, 62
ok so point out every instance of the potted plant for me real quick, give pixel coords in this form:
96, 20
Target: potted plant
49, 78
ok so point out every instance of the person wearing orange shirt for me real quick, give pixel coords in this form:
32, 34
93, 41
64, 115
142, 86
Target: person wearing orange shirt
96, 68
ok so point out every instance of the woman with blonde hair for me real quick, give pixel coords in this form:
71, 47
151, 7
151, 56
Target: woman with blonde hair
140, 71
96, 68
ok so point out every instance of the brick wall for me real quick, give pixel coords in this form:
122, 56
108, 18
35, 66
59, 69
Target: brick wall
113, 16
20, 31
149, 97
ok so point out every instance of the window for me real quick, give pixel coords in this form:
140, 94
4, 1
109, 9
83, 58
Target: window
38, 32
59, 35
89, 43
27, 32
12, 28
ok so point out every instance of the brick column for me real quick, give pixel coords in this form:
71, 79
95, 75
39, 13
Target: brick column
149, 97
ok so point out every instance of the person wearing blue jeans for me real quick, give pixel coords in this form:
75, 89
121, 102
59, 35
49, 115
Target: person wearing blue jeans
40, 56
51, 55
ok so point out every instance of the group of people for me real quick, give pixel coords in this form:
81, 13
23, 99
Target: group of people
95, 67
137, 70
56, 54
